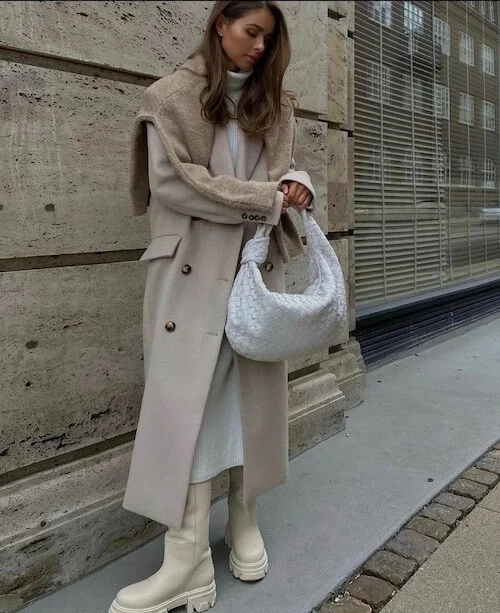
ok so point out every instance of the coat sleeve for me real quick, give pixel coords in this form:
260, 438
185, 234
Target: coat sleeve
302, 177
171, 191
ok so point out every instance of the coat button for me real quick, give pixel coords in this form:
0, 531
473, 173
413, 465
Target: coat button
257, 217
170, 326
269, 266
244, 216
251, 217
263, 218
186, 269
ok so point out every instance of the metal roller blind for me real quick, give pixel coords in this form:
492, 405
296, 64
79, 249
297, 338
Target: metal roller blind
426, 147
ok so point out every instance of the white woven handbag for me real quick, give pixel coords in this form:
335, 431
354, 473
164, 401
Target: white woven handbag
270, 326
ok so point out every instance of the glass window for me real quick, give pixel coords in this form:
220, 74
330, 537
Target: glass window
482, 6
441, 101
373, 82
467, 171
466, 49
442, 35
413, 98
412, 173
488, 115
489, 173
488, 60
492, 11
466, 109
413, 24
375, 164
443, 167
381, 12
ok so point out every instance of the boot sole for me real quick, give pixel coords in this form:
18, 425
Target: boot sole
195, 601
246, 571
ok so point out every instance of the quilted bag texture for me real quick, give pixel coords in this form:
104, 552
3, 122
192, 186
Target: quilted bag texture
270, 326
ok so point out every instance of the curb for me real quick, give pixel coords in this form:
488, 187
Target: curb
376, 581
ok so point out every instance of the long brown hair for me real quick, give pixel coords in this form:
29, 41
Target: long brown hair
260, 103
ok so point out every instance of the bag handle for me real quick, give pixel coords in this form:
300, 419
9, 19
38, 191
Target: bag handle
256, 249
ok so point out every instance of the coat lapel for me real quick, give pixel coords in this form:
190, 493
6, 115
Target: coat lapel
221, 162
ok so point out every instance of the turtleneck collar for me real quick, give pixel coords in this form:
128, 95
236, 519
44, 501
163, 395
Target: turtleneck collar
236, 80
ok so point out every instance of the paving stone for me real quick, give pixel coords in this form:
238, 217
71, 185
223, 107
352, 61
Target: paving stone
464, 487
495, 453
442, 513
457, 502
372, 590
435, 529
481, 476
346, 605
413, 545
391, 567
489, 462
497, 445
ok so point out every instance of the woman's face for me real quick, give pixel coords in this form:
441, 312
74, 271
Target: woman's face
245, 38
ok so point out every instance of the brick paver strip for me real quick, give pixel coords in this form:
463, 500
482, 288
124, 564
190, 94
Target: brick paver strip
394, 565
441, 513
458, 502
435, 529
490, 463
481, 476
372, 590
413, 545
464, 487
346, 605
390, 567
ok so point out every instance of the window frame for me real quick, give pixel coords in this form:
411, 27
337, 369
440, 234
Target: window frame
466, 111
489, 173
441, 102
466, 49
442, 34
488, 105
379, 10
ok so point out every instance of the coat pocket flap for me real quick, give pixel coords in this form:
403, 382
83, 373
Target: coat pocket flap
162, 247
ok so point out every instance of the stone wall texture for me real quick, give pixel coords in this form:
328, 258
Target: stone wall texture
71, 286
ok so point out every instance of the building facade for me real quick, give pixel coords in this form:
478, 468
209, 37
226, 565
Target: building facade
426, 160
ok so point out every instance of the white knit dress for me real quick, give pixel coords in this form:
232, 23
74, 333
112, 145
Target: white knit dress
220, 442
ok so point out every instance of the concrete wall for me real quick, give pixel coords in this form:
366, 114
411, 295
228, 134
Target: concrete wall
72, 74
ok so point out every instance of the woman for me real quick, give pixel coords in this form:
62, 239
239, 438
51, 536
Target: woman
212, 157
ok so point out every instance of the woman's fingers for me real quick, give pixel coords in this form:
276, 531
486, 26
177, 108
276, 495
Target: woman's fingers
297, 195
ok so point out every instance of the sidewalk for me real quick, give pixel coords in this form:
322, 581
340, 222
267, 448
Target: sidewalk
427, 417
463, 574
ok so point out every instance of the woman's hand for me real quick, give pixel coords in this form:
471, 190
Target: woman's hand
296, 195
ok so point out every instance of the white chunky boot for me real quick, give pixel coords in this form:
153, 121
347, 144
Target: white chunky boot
248, 557
186, 576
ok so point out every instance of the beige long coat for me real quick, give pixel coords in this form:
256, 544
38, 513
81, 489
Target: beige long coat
191, 263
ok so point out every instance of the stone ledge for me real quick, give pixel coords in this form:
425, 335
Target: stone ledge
316, 410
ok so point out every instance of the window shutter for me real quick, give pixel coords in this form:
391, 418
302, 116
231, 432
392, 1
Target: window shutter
425, 194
